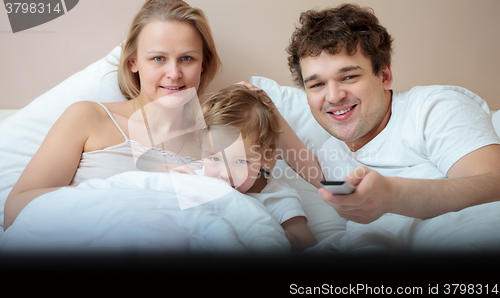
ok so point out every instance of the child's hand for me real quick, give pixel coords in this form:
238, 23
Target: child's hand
298, 234
294, 241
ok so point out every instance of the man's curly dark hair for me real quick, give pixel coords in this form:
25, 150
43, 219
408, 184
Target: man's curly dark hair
336, 29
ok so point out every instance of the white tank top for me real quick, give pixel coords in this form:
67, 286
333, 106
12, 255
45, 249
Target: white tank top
119, 158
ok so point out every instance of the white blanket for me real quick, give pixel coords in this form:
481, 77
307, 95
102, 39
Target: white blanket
473, 230
158, 212
140, 211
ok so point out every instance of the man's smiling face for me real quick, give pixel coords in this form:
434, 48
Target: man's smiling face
346, 97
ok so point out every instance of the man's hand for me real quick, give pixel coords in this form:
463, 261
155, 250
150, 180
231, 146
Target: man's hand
371, 199
263, 95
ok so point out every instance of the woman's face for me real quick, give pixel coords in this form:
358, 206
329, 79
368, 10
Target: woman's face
169, 58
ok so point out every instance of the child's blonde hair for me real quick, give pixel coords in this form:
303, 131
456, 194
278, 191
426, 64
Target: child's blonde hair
166, 10
244, 109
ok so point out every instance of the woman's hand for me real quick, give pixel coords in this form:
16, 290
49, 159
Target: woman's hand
173, 168
183, 169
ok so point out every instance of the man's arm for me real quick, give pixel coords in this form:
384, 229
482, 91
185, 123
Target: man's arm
474, 179
298, 157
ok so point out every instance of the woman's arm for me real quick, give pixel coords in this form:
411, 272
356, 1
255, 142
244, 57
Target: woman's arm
55, 163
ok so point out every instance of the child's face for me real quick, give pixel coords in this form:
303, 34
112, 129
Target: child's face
242, 168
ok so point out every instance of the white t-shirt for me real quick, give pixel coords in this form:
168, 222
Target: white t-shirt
281, 200
430, 129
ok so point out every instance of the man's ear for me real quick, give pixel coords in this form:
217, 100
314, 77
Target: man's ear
386, 74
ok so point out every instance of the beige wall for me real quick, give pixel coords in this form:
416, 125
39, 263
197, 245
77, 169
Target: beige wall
436, 42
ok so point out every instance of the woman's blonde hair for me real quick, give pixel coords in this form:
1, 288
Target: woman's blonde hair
245, 109
166, 10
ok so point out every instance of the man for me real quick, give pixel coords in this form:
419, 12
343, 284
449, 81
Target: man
395, 147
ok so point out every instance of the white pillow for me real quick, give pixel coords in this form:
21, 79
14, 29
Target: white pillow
22, 133
292, 104
323, 220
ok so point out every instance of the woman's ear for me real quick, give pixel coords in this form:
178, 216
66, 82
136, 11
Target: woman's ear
132, 63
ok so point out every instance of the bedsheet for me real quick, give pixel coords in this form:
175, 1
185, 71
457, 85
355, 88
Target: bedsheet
141, 211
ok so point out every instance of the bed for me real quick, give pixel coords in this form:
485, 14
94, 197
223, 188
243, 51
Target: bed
142, 212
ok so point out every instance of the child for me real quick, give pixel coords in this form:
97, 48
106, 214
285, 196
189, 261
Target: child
239, 148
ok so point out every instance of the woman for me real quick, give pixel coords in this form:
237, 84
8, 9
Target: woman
169, 49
